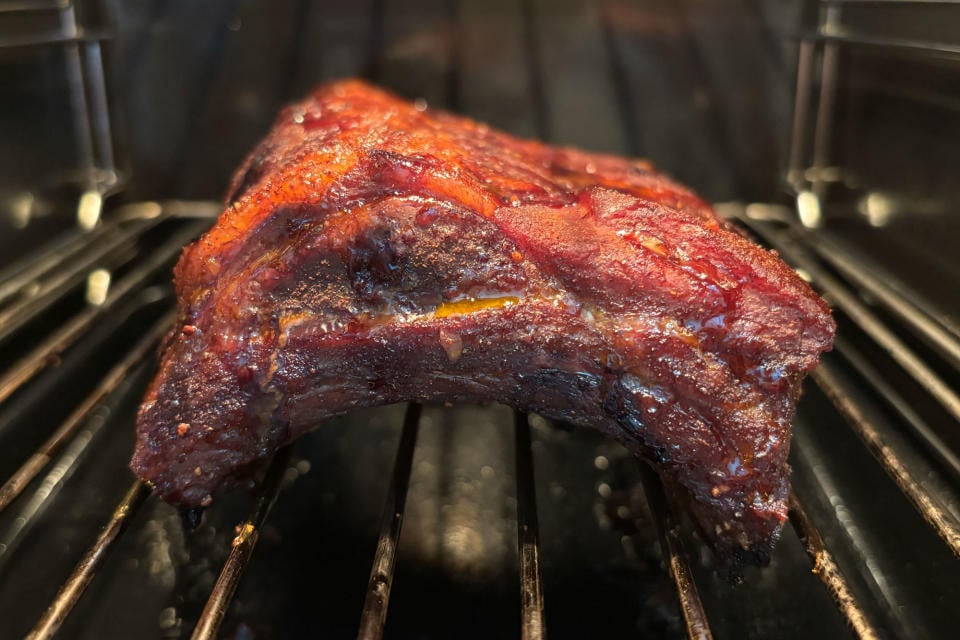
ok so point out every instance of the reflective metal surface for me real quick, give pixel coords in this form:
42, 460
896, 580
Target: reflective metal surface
374, 614
490, 504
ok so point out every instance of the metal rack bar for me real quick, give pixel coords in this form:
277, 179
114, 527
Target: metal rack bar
68, 333
823, 125
895, 2
847, 37
801, 108
936, 516
172, 209
53, 481
38, 460
54, 37
532, 622
100, 123
451, 77
71, 591
374, 614
829, 573
32, 6
243, 545
675, 557
893, 398
22, 274
13, 318
939, 518
620, 80
863, 316
534, 61
908, 311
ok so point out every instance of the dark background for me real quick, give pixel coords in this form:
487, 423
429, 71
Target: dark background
700, 86
704, 88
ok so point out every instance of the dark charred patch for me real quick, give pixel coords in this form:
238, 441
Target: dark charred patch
374, 262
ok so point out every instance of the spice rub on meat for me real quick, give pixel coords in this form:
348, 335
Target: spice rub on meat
374, 252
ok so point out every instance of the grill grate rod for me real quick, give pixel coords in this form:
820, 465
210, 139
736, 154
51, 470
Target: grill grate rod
68, 333
909, 311
243, 545
937, 517
891, 2
21, 274
167, 210
24, 273
532, 623
71, 591
848, 37
671, 546
374, 614
902, 406
863, 316
66, 277
38, 460
829, 573
65, 464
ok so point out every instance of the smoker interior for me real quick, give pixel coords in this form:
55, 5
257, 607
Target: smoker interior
711, 92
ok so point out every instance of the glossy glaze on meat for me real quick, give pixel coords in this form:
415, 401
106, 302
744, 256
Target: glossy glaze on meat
375, 252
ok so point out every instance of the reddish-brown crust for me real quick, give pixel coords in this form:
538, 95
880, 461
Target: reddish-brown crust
372, 252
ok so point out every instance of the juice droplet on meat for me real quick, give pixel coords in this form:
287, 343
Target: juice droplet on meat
426, 216
452, 344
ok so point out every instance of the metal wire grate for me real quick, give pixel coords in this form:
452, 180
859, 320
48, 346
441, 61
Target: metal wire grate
86, 81
117, 246
375, 607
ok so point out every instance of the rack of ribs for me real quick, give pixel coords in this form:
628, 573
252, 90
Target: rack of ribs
373, 251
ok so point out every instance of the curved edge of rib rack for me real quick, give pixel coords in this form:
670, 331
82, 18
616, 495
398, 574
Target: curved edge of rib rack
375, 252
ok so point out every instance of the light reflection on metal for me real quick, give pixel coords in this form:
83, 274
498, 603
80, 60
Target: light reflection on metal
808, 208
83, 574
241, 550
373, 617
675, 557
946, 526
20, 209
532, 617
45, 353
825, 174
765, 211
98, 285
48, 487
89, 209
463, 488
115, 378
879, 209
146, 210
829, 573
